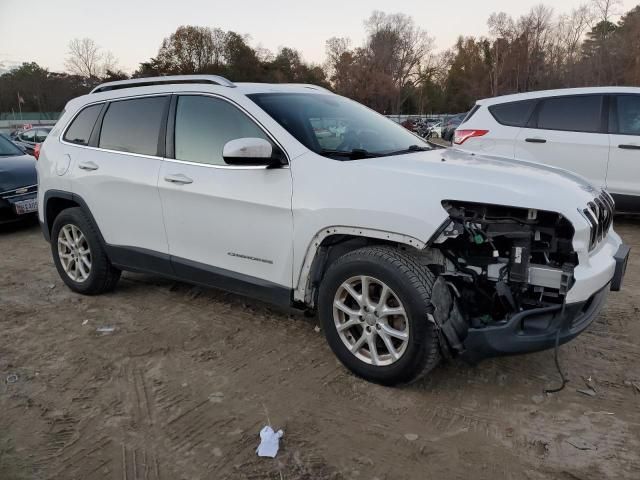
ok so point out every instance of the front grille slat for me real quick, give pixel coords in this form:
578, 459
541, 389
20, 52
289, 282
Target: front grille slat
599, 214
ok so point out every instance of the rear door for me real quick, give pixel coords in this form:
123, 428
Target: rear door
116, 174
568, 132
623, 176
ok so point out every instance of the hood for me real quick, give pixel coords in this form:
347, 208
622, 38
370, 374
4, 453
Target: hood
16, 172
457, 175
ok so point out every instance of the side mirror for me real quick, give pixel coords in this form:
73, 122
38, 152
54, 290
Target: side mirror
250, 151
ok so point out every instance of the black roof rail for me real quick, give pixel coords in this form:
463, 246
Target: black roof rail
168, 80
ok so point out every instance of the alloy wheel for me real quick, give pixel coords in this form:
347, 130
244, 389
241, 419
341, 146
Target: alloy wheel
371, 320
74, 253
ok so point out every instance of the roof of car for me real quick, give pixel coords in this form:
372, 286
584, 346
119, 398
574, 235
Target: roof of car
249, 88
173, 82
186, 83
556, 93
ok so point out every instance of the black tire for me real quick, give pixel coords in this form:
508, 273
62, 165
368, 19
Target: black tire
103, 276
412, 283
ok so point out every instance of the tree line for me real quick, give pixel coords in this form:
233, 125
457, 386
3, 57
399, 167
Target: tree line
396, 69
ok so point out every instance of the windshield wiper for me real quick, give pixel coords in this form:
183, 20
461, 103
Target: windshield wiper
409, 149
355, 154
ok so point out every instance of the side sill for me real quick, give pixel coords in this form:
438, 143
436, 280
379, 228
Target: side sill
233, 282
140, 260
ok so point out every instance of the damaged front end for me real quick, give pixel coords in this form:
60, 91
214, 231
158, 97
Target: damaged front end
496, 264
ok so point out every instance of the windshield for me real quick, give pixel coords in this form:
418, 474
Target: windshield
337, 127
7, 148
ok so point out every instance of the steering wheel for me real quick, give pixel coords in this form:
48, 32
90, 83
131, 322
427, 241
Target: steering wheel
357, 139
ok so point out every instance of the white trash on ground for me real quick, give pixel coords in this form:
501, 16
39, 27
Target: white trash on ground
269, 442
105, 330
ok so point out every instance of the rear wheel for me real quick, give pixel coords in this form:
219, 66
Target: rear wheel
373, 304
79, 256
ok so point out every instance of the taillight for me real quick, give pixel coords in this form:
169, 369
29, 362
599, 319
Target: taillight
36, 151
461, 136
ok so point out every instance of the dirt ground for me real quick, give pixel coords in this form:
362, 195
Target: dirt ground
182, 386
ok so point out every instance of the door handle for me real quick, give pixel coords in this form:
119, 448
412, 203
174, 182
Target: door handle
178, 178
535, 140
629, 147
88, 165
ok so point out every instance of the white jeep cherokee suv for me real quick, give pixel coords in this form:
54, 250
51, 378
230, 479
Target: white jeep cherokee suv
593, 131
297, 196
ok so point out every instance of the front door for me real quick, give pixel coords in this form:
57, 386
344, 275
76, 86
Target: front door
228, 225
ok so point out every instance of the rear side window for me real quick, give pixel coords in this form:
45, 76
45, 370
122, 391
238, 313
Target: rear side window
80, 129
513, 114
133, 125
575, 114
628, 114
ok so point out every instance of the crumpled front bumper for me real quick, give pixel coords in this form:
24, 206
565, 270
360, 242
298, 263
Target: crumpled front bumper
533, 330
536, 329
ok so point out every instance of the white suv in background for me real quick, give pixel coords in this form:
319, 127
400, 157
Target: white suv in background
297, 196
594, 132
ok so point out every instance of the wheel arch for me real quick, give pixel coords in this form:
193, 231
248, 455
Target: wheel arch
56, 201
332, 242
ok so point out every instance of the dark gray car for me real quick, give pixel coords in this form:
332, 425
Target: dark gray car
18, 183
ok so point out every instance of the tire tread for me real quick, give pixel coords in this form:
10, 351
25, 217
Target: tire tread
421, 280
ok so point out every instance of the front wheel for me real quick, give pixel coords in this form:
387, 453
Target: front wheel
373, 304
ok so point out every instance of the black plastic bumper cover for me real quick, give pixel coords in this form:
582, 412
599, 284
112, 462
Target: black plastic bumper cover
621, 257
7, 209
533, 330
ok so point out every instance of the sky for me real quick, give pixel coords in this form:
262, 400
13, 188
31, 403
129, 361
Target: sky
40, 30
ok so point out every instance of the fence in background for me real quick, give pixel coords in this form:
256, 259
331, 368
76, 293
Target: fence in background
10, 121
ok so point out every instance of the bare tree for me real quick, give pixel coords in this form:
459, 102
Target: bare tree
566, 42
503, 28
576, 25
605, 10
109, 63
335, 48
84, 58
398, 47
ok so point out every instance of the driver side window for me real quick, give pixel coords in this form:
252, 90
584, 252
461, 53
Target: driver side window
205, 124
